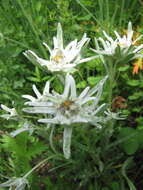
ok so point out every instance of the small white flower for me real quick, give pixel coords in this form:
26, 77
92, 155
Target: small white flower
62, 59
12, 112
125, 43
15, 183
113, 115
127, 40
109, 46
68, 108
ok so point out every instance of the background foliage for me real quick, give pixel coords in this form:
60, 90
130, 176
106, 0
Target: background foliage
96, 164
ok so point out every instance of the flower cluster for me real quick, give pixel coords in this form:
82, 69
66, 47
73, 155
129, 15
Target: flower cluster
69, 108
121, 47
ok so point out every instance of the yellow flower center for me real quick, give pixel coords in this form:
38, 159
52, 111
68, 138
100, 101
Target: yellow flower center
58, 56
66, 104
122, 45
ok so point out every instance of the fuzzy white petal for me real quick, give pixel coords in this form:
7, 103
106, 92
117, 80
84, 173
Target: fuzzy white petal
36, 91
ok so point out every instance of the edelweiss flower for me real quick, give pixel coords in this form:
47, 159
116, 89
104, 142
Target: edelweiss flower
125, 43
12, 112
109, 45
68, 108
15, 183
113, 115
127, 40
62, 59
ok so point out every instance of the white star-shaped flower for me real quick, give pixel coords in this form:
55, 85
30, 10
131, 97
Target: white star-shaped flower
68, 108
62, 59
114, 115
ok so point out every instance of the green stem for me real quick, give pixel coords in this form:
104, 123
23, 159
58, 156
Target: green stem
51, 139
111, 80
37, 166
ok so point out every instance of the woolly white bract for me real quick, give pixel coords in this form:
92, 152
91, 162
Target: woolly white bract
12, 114
39, 97
68, 108
16, 183
62, 59
121, 46
109, 46
127, 40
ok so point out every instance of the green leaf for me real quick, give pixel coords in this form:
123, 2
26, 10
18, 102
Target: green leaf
58, 85
133, 82
131, 146
87, 3
130, 142
136, 96
33, 79
136, 109
105, 188
81, 84
35, 149
124, 68
140, 138
115, 186
38, 5
94, 80
125, 165
84, 18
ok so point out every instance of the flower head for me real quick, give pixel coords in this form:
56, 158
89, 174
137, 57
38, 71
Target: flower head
127, 40
68, 108
114, 115
61, 59
121, 47
109, 45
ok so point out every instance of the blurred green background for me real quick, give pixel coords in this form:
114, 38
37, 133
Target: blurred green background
26, 24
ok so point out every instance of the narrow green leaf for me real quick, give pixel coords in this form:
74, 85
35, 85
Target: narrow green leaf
129, 182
